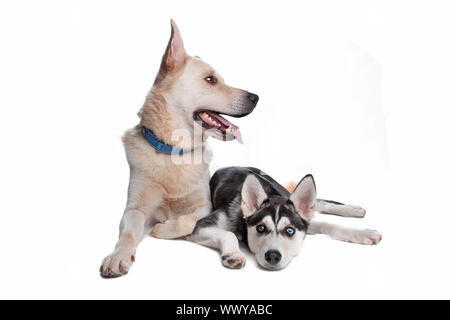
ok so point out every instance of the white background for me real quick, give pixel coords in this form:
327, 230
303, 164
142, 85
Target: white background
355, 92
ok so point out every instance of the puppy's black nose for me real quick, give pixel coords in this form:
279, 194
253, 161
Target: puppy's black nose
253, 98
273, 256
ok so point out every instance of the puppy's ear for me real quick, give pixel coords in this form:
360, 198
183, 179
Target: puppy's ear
304, 197
175, 55
252, 195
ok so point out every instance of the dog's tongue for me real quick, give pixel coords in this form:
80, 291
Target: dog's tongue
234, 129
236, 133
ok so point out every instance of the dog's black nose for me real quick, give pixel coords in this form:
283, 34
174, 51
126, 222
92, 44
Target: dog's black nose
273, 256
253, 98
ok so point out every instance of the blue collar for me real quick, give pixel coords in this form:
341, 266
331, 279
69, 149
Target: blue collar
161, 146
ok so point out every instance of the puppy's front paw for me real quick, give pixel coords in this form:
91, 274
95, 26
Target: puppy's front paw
117, 263
366, 236
235, 260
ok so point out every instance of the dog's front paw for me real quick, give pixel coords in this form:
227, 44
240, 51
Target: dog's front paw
117, 263
366, 236
235, 260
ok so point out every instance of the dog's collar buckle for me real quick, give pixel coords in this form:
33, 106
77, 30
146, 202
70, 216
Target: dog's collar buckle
162, 147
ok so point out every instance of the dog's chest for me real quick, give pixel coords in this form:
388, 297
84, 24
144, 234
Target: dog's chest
182, 179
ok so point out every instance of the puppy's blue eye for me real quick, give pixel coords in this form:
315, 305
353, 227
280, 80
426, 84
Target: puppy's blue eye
290, 231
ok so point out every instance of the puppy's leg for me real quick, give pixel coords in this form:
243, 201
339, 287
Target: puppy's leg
143, 201
217, 238
361, 236
339, 209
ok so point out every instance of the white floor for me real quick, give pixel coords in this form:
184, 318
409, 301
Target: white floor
56, 250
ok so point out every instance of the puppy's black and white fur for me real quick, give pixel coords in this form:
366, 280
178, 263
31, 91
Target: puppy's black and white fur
251, 207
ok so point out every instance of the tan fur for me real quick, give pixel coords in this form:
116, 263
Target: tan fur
170, 191
290, 186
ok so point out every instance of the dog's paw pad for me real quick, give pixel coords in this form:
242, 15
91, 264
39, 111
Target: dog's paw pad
116, 264
235, 260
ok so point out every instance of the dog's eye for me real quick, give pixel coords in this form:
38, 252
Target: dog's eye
261, 228
290, 231
211, 79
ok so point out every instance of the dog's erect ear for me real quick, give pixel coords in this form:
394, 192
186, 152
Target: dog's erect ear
304, 197
252, 195
175, 55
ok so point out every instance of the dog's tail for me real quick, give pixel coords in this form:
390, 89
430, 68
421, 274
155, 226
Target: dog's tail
332, 207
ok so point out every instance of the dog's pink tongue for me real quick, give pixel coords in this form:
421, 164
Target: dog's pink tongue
234, 128
236, 133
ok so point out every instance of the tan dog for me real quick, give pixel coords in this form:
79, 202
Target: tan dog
170, 192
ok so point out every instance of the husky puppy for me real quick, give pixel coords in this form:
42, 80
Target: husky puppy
167, 151
251, 207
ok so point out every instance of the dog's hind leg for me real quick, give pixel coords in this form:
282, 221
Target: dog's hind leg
339, 209
361, 236
187, 212
208, 233
333, 207
181, 226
